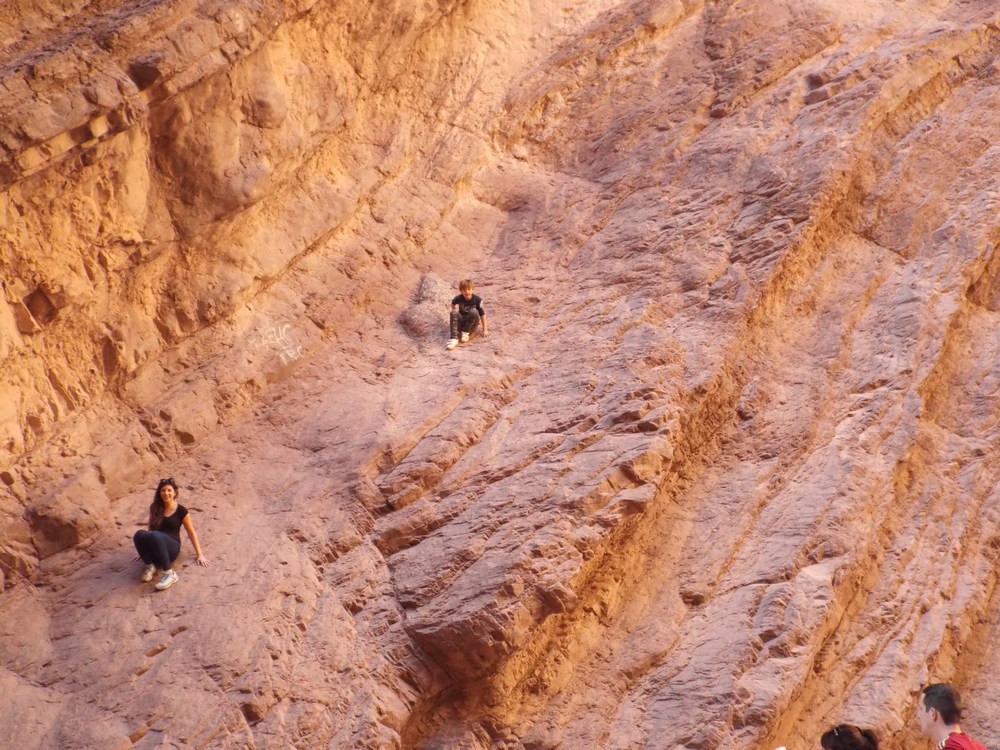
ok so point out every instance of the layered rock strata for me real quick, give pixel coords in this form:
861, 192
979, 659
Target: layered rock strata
720, 476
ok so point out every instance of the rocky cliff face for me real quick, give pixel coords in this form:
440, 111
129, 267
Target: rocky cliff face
721, 474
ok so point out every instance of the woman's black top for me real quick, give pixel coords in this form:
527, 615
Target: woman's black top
171, 525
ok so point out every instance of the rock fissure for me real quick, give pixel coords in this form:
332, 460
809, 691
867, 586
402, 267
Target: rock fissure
717, 477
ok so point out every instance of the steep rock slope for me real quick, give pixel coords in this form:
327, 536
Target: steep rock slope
720, 475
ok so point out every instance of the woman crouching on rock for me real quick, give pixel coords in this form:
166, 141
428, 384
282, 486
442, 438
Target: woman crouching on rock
159, 546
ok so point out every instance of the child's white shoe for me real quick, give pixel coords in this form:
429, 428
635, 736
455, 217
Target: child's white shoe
452, 343
465, 338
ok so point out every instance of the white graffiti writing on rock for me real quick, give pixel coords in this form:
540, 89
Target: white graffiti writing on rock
277, 337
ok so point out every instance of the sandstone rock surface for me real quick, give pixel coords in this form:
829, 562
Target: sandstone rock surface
722, 473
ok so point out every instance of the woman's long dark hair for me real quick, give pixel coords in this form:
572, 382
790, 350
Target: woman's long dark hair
849, 737
156, 507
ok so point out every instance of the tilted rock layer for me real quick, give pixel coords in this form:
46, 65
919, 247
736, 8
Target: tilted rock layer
722, 473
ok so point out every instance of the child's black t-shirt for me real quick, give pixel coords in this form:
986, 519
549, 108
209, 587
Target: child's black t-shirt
467, 305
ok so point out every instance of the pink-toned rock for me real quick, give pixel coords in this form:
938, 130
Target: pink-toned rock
426, 317
18, 555
69, 514
720, 474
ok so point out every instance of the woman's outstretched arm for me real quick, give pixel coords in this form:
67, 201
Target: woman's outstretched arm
189, 527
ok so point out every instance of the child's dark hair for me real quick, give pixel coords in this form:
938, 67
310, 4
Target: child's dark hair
849, 737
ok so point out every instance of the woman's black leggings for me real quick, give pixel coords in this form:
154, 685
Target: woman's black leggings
155, 547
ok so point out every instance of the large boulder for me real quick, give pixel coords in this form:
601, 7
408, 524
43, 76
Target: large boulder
69, 515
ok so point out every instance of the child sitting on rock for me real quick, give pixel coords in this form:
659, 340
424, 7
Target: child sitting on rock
466, 314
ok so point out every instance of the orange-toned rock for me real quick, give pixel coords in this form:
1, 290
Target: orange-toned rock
719, 475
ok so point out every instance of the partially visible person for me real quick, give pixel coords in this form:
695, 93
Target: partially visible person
159, 546
939, 712
466, 314
848, 737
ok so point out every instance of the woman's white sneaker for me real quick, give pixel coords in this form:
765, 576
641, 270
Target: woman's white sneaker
169, 579
147, 573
